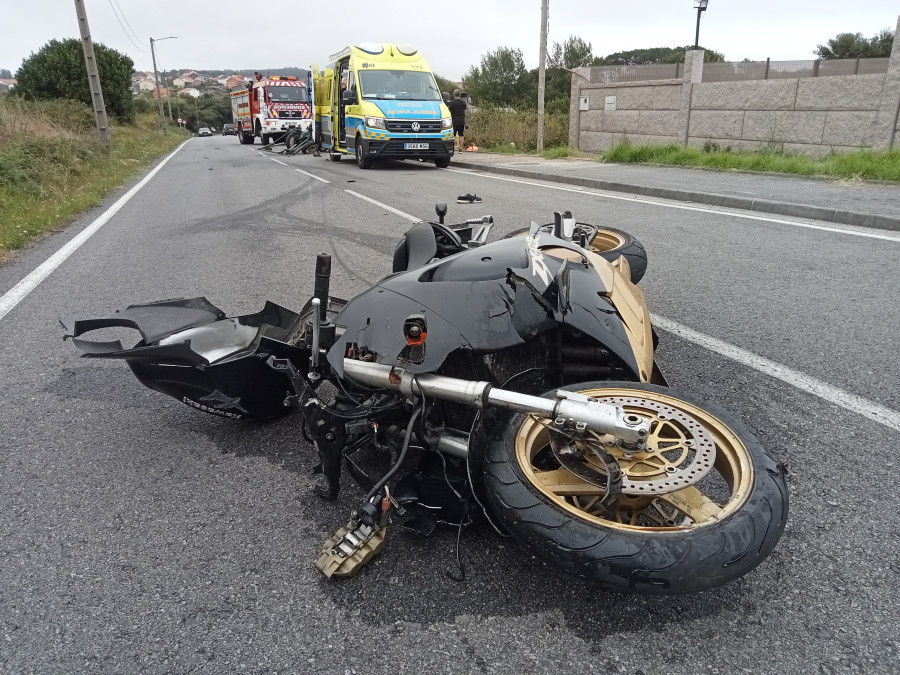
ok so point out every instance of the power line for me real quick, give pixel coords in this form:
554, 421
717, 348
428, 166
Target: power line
125, 18
136, 45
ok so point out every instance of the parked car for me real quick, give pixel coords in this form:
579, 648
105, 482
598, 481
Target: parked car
204, 131
228, 130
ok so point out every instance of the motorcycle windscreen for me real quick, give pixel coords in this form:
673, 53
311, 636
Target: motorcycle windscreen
483, 300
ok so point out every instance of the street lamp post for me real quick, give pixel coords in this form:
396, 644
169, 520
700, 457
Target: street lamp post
162, 115
700, 6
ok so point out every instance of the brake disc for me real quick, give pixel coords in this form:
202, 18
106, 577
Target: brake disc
678, 453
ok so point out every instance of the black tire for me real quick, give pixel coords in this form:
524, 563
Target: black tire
263, 138
442, 162
678, 555
290, 139
363, 161
334, 156
610, 243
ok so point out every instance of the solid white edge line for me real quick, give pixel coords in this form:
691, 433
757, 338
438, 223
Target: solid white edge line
385, 206
277, 161
307, 173
17, 293
639, 200
861, 406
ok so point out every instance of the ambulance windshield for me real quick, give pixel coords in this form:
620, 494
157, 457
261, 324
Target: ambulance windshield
401, 85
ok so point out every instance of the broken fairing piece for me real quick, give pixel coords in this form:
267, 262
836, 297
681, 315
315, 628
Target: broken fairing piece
350, 549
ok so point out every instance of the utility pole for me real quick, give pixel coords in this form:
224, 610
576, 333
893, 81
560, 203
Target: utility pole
90, 61
542, 76
162, 115
169, 102
162, 122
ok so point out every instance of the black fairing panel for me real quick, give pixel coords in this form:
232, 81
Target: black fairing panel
190, 350
483, 300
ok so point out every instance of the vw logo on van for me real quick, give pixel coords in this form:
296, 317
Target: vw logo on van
415, 126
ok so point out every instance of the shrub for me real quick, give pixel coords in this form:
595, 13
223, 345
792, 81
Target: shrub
493, 127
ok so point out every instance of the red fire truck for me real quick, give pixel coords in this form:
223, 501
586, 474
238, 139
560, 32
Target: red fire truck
272, 106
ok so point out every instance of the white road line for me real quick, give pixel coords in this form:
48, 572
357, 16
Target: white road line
385, 206
682, 207
17, 293
277, 161
869, 409
307, 173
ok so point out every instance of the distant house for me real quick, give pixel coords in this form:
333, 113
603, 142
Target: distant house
7, 84
190, 91
146, 85
163, 92
235, 81
180, 82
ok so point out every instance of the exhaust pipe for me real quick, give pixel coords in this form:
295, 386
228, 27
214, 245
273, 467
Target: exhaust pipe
568, 406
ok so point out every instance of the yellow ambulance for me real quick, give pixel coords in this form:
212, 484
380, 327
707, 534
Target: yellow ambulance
381, 101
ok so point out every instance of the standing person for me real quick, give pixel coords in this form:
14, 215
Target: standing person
457, 109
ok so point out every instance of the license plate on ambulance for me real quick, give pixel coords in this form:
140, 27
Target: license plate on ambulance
415, 146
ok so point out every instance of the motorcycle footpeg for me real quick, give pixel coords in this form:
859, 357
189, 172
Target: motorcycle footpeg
351, 547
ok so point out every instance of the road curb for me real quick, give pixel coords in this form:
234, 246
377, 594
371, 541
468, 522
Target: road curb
745, 203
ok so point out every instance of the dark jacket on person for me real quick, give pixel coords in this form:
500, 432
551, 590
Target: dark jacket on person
457, 108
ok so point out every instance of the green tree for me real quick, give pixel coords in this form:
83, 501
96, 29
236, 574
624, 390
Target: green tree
882, 43
561, 60
444, 84
677, 55
57, 71
500, 80
637, 57
5, 74
854, 45
573, 53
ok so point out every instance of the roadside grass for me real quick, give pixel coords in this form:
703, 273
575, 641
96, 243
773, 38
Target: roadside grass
53, 167
560, 152
515, 132
857, 165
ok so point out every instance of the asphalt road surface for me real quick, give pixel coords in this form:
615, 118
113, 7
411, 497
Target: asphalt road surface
138, 535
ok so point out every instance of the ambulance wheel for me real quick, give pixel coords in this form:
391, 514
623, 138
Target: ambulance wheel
363, 161
442, 162
334, 156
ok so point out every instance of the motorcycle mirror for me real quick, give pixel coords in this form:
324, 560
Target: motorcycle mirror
441, 210
557, 224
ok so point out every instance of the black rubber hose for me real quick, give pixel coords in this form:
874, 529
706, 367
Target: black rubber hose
394, 469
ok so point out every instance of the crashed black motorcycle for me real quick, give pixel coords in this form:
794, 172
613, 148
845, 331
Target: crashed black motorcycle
515, 379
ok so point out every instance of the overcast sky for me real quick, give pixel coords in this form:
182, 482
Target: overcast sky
452, 34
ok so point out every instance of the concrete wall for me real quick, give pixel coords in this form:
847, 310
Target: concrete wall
808, 115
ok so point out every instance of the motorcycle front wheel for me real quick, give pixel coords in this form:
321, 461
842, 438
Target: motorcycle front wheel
701, 505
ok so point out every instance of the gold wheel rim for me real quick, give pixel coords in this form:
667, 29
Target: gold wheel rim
605, 240
711, 499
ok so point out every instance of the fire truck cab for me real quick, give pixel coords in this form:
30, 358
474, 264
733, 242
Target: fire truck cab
271, 107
